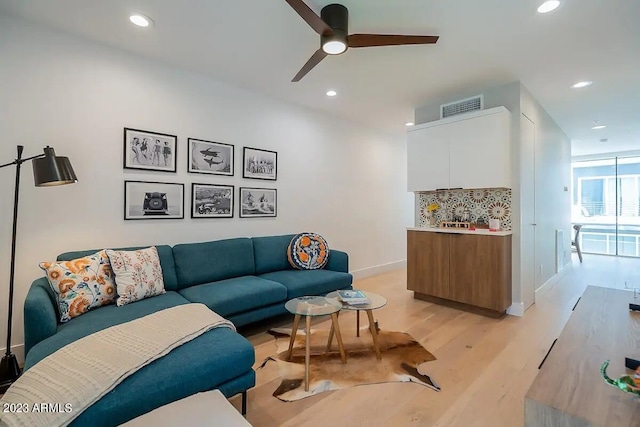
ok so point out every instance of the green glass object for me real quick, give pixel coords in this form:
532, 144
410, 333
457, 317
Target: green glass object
626, 383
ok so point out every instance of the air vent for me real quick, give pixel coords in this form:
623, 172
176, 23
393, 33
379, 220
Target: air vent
462, 106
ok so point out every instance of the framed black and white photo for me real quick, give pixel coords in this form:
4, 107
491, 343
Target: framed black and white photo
153, 200
148, 150
210, 157
211, 201
258, 202
259, 164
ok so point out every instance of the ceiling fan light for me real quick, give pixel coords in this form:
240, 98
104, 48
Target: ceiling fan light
548, 6
334, 47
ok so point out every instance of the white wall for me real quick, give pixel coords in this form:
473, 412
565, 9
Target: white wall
342, 180
552, 176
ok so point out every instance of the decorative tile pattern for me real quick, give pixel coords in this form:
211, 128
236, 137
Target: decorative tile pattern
483, 204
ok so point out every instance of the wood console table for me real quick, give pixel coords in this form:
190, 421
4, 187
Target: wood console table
569, 391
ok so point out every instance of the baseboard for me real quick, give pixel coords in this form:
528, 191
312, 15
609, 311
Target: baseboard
516, 309
18, 350
378, 269
554, 279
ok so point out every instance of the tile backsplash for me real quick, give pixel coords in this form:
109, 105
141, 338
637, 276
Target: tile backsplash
482, 204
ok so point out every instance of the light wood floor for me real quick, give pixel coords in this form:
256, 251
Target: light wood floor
484, 366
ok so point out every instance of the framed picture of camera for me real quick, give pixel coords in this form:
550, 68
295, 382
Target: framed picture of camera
259, 164
215, 158
211, 201
258, 202
153, 200
148, 150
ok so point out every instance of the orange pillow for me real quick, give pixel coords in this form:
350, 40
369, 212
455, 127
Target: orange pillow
308, 251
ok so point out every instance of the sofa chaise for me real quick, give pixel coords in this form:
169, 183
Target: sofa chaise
245, 280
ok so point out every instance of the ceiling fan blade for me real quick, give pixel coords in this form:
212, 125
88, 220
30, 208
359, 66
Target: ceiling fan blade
369, 40
312, 62
310, 17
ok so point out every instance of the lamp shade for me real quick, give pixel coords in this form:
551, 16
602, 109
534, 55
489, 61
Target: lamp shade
52, 170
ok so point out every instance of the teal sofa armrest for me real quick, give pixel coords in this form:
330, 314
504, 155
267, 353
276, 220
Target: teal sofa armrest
40, 315
338, 261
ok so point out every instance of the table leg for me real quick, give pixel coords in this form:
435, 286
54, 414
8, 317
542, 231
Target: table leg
331, 332
294, 331
357, 323
336, 326
306, 353
374, 333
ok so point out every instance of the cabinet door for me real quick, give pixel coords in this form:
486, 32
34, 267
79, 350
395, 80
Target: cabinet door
427, 159
480, 272
428, 263
480, 152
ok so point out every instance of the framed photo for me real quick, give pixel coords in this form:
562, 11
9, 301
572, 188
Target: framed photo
210, 157
259, 164
258, 202
153, 200
149, 150
211, 201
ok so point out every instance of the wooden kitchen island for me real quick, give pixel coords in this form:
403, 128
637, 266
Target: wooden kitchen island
461, 268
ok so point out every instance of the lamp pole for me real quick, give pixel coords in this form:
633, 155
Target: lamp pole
9, 369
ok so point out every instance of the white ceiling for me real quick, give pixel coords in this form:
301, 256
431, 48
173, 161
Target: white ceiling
261, 44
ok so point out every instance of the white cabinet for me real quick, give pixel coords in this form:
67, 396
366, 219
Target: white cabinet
428, 159
469, 151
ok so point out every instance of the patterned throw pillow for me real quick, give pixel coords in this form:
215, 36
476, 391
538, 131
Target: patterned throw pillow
138, 274
308, 251
81, 284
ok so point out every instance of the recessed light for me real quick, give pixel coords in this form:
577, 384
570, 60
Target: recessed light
582, 84
596, 127
548, 6
331, 93
140, 20
409, 124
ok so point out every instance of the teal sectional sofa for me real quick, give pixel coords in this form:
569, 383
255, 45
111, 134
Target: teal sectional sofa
245, 280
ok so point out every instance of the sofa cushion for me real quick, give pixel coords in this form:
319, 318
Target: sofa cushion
216, 359
96, 320
198, 263
236, 295
270, 253
164, 252
310, 282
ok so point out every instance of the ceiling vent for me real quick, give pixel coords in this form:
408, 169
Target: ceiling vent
475, 103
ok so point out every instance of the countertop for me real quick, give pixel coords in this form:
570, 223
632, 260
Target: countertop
478, 231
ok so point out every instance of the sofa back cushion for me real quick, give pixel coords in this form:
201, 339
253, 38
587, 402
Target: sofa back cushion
271, 253
164, 252
198, 263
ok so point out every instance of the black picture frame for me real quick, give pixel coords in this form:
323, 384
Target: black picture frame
143, 148
259, 164
145, 200
210, 157
256, 207
212, 200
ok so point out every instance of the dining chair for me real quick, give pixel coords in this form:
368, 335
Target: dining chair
575, 242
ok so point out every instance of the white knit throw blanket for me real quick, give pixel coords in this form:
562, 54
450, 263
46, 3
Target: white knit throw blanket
77, 375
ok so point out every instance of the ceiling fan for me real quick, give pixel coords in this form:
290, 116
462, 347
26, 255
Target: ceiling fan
333, 27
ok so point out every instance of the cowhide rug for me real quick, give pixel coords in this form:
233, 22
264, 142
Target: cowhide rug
403, 360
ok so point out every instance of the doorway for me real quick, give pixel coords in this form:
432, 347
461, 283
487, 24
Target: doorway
606, 201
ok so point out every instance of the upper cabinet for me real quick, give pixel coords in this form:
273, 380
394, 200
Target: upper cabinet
468, 151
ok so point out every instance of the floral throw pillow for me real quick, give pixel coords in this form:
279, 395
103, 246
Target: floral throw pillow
81, 284
308, 251
138, 274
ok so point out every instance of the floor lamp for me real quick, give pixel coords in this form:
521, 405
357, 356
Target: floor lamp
48, 170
